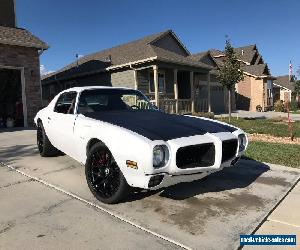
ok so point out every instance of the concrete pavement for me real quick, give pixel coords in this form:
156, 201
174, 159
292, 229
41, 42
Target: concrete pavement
285, 219
61, 213
34, 216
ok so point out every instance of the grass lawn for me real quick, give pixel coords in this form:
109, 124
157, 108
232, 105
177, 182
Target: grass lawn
281, 154
265, 126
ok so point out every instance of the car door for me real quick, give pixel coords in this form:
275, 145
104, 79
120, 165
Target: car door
61, 123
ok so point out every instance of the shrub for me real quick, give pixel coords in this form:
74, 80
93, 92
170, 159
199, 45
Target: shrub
279, 106
294, 106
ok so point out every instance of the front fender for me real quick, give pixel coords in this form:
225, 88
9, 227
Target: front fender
123, 144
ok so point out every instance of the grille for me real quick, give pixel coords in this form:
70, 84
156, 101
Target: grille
229, 148
202, 155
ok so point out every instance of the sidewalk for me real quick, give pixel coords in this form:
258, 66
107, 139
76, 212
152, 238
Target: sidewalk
285, 219
261, 115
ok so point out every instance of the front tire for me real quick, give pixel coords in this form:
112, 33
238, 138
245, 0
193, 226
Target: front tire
104, 178
45, 147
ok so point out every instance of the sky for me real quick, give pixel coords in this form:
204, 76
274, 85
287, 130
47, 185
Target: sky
82, 27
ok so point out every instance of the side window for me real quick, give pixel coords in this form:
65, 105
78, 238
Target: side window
66, 103
161, 82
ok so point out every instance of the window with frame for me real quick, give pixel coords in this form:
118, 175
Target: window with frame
161, 82
66, 103
269, 88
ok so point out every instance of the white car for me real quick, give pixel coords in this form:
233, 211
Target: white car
124, 141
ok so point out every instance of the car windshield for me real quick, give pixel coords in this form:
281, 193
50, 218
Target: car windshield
97, 100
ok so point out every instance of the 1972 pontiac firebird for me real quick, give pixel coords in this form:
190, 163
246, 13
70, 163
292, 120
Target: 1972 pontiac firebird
124, 141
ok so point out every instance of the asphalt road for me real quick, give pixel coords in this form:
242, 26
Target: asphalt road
46, 204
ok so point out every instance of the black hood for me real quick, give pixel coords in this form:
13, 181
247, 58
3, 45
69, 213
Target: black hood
156, 125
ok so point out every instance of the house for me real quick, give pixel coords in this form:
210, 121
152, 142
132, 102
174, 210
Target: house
255, 90
159, 65
283, 88
216, 93
20, 83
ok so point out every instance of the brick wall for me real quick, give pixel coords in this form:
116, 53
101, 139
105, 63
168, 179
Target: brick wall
28, 58
250, 93
243, 89
257, 96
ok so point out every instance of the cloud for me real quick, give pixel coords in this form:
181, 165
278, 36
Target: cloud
44, 70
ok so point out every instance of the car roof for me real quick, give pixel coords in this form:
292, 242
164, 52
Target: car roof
79, 89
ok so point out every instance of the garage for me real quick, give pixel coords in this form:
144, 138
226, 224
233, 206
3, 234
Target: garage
20, 83
217, 99
11, 103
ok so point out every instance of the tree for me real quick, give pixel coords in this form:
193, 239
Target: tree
230, 73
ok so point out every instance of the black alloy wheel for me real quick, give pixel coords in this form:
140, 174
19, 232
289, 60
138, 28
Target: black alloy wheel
104, 177
40, 138
44, 145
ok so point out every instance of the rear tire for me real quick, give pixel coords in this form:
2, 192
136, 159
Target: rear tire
45, 147
104, 178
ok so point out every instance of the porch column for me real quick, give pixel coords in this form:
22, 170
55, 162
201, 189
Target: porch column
155, 74
176, 90
208, 92
135, 79
192, 91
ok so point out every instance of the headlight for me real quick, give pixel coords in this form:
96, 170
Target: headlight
242, 142
160, 156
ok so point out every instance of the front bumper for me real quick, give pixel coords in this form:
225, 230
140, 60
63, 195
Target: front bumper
216, 139
170, 180
172, 174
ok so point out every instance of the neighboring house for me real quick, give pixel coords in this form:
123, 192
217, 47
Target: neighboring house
218, 95
20, 85
158, 65
255, 90
283, 88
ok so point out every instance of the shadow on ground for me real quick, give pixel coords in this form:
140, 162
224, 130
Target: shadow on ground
13, 153
240, 176
3, 130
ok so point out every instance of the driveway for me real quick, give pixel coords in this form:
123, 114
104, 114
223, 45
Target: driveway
45, 203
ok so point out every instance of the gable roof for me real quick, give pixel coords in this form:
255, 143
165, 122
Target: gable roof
199, 56
284, 81
246, 53
252, 61
214, 55
257, 70
132, 53
20, 37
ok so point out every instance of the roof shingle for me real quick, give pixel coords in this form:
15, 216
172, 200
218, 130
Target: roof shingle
257, 70
20, 37
284, 81
134, 51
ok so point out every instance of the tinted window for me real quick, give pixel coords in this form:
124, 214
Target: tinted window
97, 100
65, 103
